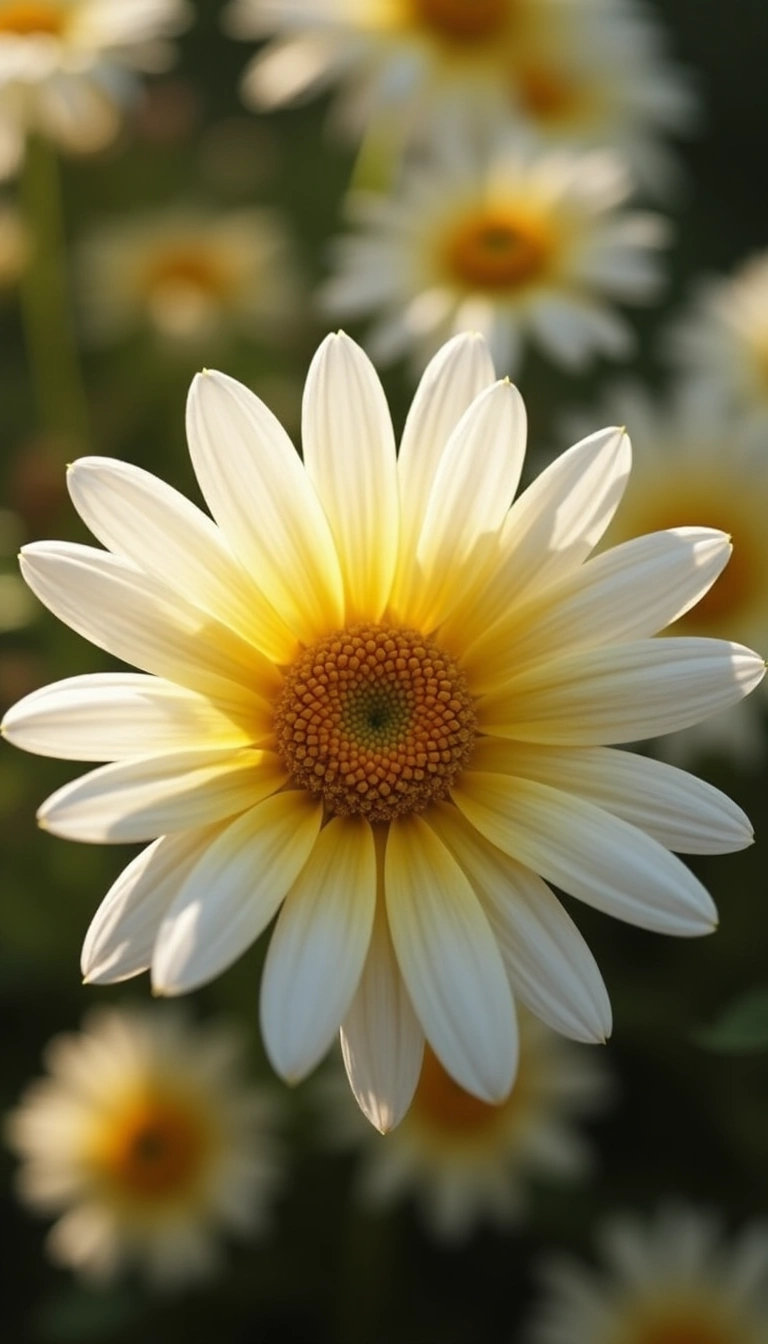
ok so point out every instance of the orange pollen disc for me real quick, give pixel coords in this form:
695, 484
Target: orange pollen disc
498, 251
682, 1332
546, 93
462, 20
188, 268
27, 18
443, 1105
377, 720
155, 1150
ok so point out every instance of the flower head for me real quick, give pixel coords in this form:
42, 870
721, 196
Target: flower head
465, 1161
375, 701
148, 1142
64, 67
522, 247
187, 275
671, 1282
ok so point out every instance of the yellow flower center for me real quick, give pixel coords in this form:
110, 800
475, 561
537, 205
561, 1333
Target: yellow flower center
377, 720
444, 1107
498, 249
154, 1150
182, 286
681, 1330
462, 20
547, 94
27, 18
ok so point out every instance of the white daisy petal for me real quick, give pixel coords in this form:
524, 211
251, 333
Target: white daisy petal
349, 451
587, 852
145, 521
141, 798
680, 811
450, 961
549, 965
260, 495
232, 893
318, 947
111, 715
381, 1039
622, 693
122, 934
137, 619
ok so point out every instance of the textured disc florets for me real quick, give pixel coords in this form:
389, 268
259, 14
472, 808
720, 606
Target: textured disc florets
376, 719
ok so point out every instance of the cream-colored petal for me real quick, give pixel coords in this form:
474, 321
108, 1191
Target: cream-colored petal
457, 374
550, 529
472, 490
587, 852
142, 519
122, 934
680, 811
233, 891
630, 592
450, 961
108, 716
261, 497
622, 693
550, 967
142, 798
349, 452
137, 619
318, 948
381, 1039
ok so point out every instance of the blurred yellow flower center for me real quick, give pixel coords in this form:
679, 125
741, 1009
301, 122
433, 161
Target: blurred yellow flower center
26, 18
444, 1106
462, 20
547, 94
154, 1150
498, 249
681, 1332
182, 285
377, 720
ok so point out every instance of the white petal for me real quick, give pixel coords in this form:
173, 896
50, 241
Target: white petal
588, 853
260, 495
234, 890
630, 592
622, 693
680, 811
123, 931
107, 716
318, 948
471, 494
552, 527
381, 1039
450, 961
137, 619
549, 965
142, 798
142, 519
349, 451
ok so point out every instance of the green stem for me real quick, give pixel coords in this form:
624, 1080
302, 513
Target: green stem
379, 157
51, 344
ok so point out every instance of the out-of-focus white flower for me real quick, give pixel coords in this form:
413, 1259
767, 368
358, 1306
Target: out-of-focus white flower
189, 275
672, 1281
376, 698
516, 245
692, 463
466, 1162
721, 344
148, 1141
65, 67
586, 72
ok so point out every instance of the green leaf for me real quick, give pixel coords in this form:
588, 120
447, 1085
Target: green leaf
742, 1027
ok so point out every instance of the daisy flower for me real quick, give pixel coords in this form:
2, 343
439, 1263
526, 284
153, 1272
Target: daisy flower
673, 1281
519, 246
145, 1137
374, 701
467, 1162
65, 67
721, 344
188, 275
689, 463
588, 71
